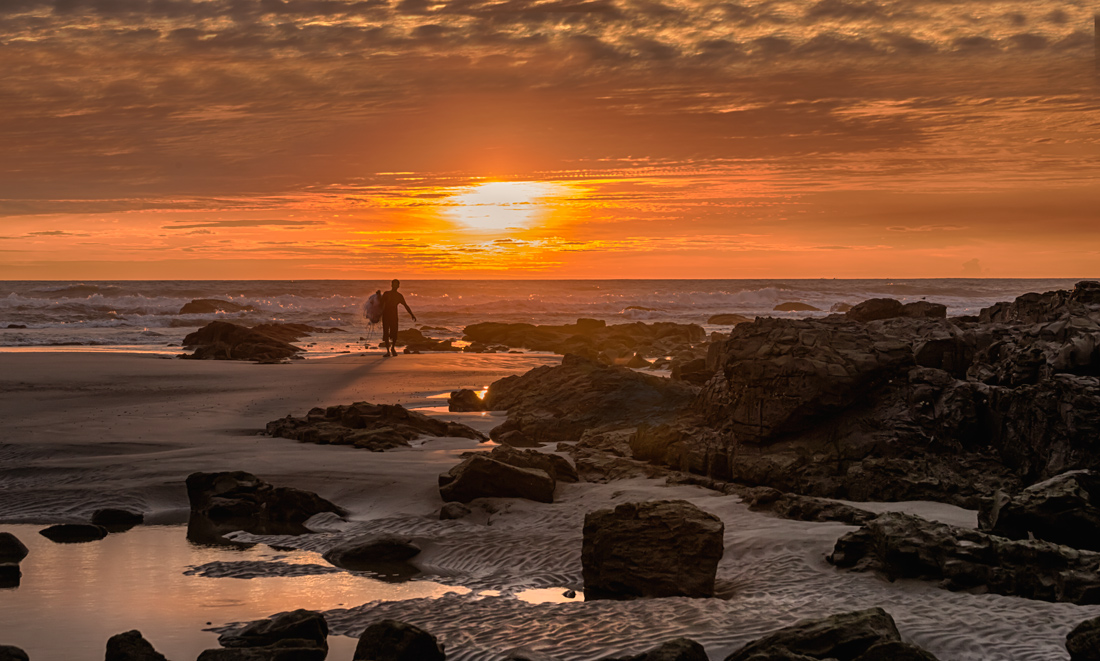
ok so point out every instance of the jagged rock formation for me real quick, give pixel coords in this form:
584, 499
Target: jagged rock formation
369, 426
1064, 509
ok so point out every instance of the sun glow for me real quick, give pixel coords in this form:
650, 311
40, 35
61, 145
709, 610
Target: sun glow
501, 205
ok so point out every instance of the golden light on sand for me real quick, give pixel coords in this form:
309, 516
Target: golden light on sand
502, 205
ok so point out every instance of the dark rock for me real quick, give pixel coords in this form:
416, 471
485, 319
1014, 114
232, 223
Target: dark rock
72, 533
12, 551
660, 548
17, 326
1083, 642
1064, 510
795, 306
587, 336
677, 649
517, 439
12, 653
482, 477
924, 309
840, 307
876, 308
895, 650
384, 554
844, 637
1036, 308
131, 646
10, 575
374, 427
116, 520
221, 340
603, 467
306, 628
729, 319
693, 371
905, 546
451, 511
244, 499
637, 362
284, 650
803, 508
465, 400
390, 640
556, 466
212, 306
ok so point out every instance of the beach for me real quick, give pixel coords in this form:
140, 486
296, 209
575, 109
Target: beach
86, 431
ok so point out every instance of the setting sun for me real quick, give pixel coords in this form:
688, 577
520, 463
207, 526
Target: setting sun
500, 205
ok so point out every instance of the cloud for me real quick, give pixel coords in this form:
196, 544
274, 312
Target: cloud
973, 268
293, 224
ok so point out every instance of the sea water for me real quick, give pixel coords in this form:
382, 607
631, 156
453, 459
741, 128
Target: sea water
143, 316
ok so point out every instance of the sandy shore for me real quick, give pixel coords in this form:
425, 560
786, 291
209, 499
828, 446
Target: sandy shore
87, 431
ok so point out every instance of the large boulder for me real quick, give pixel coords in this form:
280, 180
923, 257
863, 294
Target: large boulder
481, 477
661, 548
374, 427
391, 640
1064, 509
905, 546
556, 466
254, 504
73, 533
213, 306
1083, 642
221, 340
131, 646
874, 309
843, 637
677, 649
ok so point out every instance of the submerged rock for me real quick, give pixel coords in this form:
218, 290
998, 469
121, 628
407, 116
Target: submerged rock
1083, 642
131, 646
243, 498
795, 306
867, 635
117, 520
661, 548
905, 546
677, 649
73, 533
374, 427
391, 640
1064, 510
12, 551
481, 477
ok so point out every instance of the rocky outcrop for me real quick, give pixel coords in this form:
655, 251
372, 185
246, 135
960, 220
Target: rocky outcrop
867, 635
1036, 308
560, 403
481, 477
802, 508
247, 502
1083, 642
462, 401
73, 533
213, 306
905, 546
677, 649
375, 427
1064, 509
382, 554
391, 640
300, 635
221, 340
556, 466
131, 646
660, 548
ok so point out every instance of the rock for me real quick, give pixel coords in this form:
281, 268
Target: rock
73, 533
451, 511
906, 546
677, 649
924, 309
1064, 510
795, 306
250, 502
482, 477
116, 520
284, 650
637, 362
874, 309
844, 637
1036, 308
17, 326
221, 340
465, 400
375, 427
12, 653
10, 575
131, 646
588, 337
693, 371
390, 640
895, 650
382, 554
728, 319
213, 306
304, 627
803, 508
659, 548
840, 307
602, 467
556, 466
12, 551
1083, 642
517, 439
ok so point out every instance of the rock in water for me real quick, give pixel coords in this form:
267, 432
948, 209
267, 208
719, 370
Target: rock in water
240, 496
905, 546
12, 551
1064, 510
390, 640
730, 319
116, 520
1083, 642
677, 649
131, 646
465, 400
844, 637
303, 626
12, 653
284, 650
381, 554
662, 548
73, 533
482, 477
874, 309
795, 306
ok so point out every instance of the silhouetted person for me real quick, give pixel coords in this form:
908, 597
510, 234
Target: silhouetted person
390, 300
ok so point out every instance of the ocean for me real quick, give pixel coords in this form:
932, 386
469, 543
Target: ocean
143, 316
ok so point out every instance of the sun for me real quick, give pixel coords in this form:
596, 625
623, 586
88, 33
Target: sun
501, 205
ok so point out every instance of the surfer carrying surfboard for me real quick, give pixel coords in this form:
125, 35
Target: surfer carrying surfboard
390, 300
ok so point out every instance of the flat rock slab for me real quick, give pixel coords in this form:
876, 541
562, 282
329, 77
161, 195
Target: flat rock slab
375, 427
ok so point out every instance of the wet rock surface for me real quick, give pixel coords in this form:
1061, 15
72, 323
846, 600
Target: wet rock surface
660, 548
117, 520
479, 476
391, 640
131, 646
803, 508
905, 546
465, 401
375, 427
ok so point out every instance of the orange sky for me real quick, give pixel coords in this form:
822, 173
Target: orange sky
167, 139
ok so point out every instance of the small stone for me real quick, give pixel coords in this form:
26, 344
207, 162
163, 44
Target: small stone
73, 533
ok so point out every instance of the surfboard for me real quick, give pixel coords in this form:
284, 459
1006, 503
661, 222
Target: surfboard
372, 309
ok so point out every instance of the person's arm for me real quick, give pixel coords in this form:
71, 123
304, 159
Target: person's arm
407, 308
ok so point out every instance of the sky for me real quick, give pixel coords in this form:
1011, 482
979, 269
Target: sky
195, 139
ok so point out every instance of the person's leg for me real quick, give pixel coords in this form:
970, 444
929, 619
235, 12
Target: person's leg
388, 335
